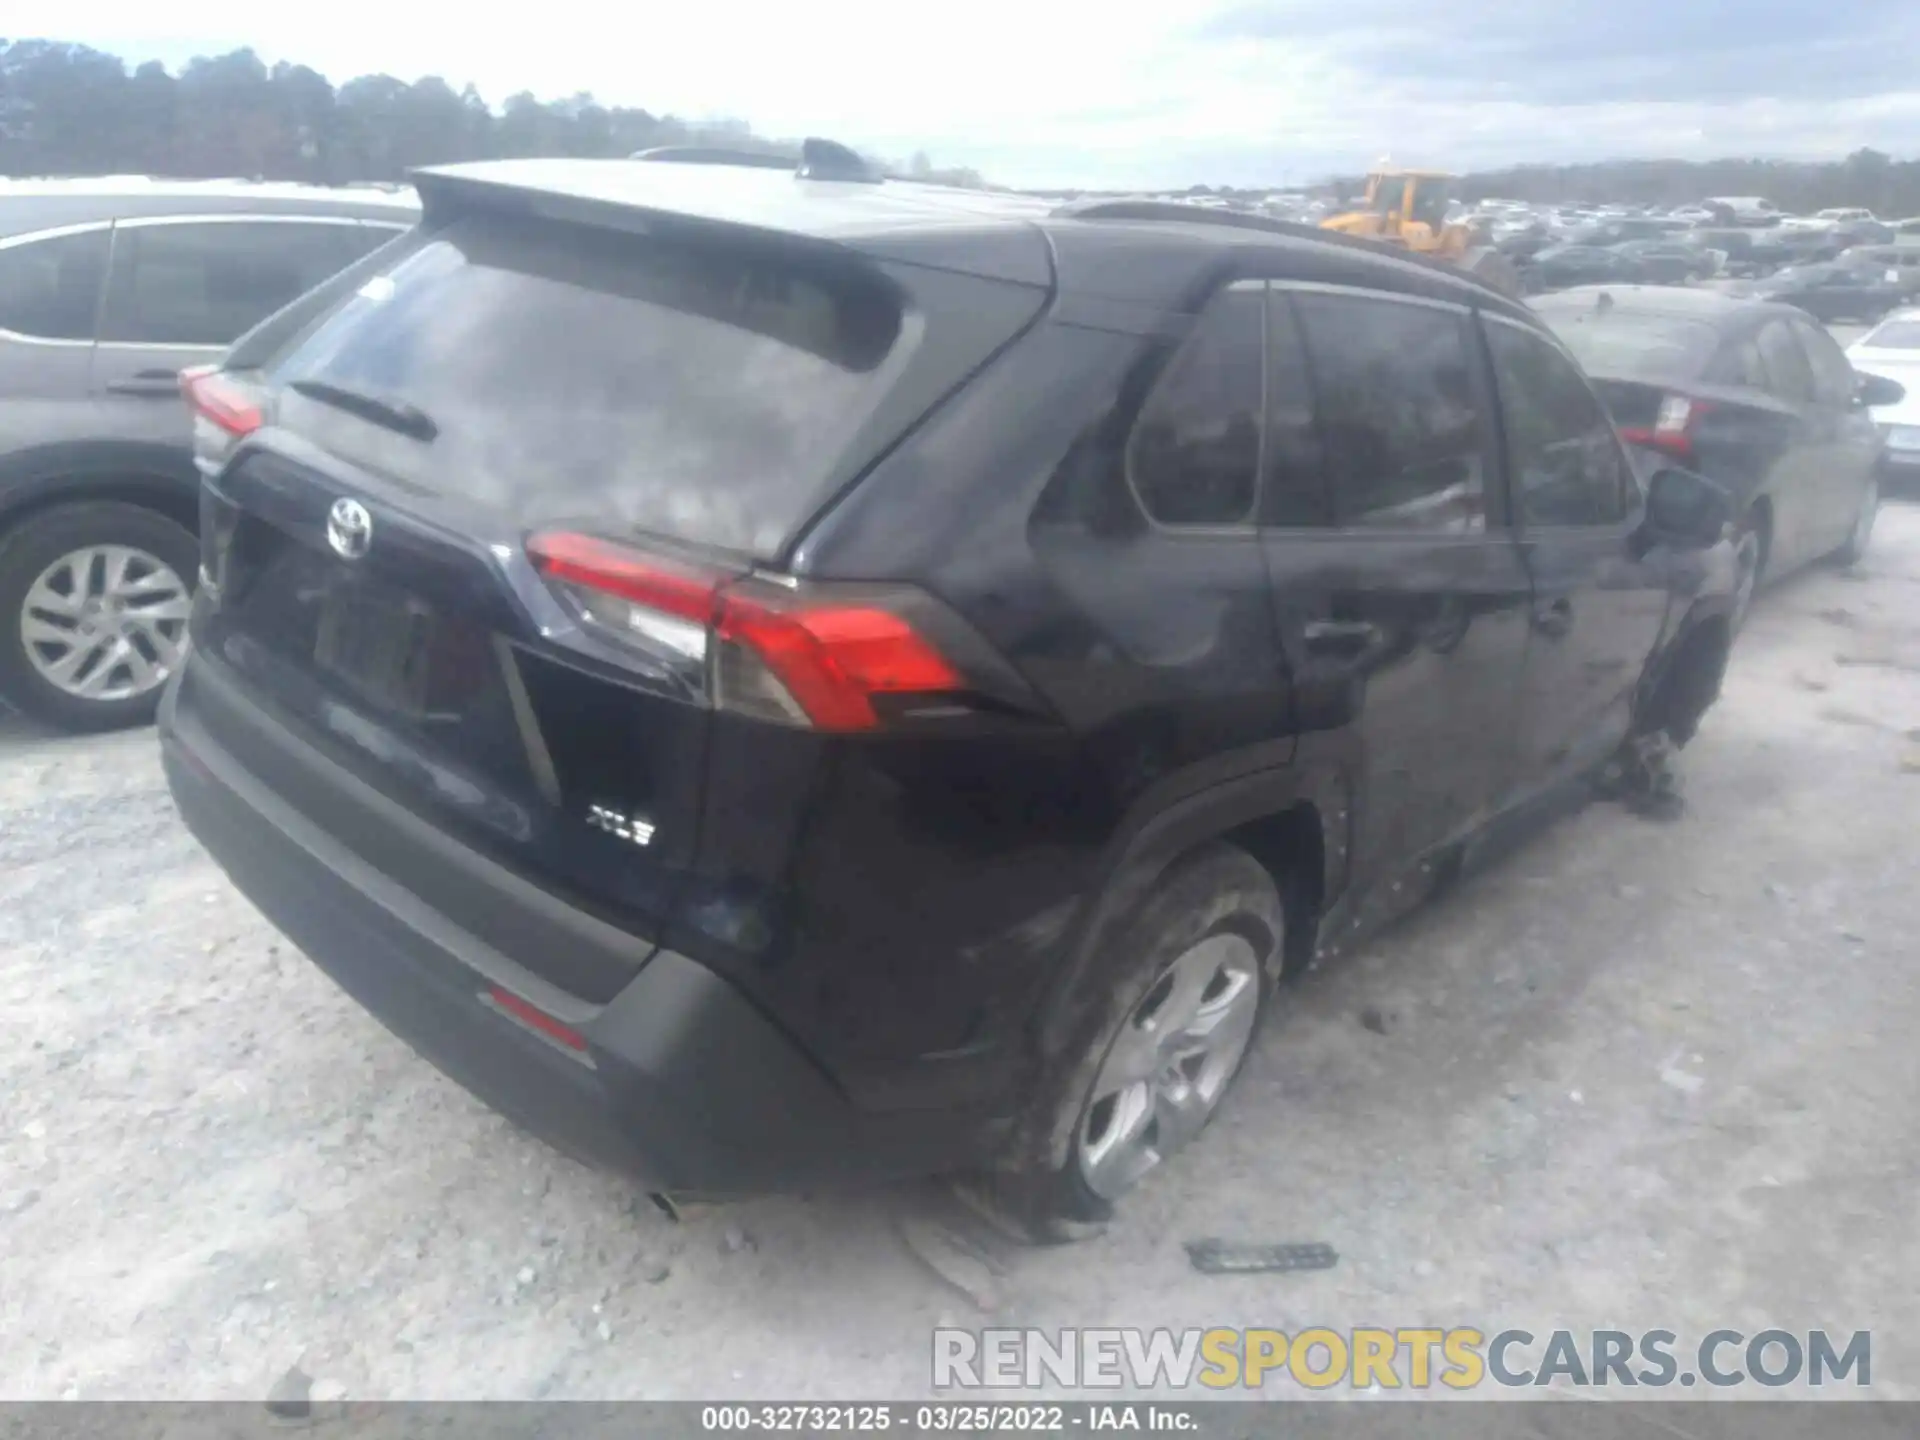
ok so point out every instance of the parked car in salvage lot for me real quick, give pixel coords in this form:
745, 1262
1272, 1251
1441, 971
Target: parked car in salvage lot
107, 289
758, 743
1899, 265
1561, 266
1749, 393
1831, 292
1669, 261
1891, 350
1749, 253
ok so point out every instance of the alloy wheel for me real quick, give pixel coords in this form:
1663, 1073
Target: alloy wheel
1166, 1070
105, 623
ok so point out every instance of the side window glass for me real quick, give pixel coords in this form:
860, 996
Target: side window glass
1195, 453
1740, 364
1566, 462
1397, 411
203, 284
1786, 362
1832, 374
1295, 493
50, 289
363, 239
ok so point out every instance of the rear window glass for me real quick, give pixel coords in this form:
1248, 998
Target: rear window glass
50, 289
1894, 335
1625, 343
203, 284
702, 393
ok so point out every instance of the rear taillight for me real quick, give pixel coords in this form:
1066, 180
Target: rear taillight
225, 410
649, 598
801, 655
1673, 426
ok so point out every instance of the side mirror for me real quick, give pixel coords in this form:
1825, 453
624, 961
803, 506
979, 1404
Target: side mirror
1878, 390
1687, 510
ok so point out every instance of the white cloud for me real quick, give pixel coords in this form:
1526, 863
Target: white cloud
1115, 94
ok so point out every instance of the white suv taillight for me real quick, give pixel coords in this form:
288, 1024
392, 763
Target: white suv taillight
225, 410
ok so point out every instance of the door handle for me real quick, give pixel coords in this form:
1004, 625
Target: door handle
1340, 637
1553, 619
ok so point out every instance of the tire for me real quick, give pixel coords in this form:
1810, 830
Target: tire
1213, 926
144, 612
1855, 548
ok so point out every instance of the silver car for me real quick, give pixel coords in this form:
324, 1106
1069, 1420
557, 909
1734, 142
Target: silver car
108, 289
1892, 350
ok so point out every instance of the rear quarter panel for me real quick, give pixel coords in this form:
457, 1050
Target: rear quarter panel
916, 896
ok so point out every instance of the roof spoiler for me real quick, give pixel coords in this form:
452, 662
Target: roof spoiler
818, 159
717, 155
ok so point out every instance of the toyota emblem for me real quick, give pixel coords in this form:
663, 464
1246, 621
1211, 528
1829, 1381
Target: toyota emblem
349, 529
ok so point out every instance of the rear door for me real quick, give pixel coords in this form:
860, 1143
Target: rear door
1799, 486
1851, 439
1598, 604
180, 289
1399, 595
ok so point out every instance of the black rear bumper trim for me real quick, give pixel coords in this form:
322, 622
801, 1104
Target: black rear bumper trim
690, 1088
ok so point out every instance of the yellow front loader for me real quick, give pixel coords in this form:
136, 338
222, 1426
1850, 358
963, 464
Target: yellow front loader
1409, 207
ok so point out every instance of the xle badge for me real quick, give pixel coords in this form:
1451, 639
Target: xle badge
626, 827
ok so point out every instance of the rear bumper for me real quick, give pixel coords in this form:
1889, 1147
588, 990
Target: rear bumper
685, 1085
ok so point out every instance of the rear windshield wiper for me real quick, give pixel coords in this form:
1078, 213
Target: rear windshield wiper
395, 415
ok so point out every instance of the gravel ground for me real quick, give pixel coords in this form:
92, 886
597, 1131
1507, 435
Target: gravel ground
1636, 1074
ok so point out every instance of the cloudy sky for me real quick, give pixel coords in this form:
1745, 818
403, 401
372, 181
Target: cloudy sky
1127, 93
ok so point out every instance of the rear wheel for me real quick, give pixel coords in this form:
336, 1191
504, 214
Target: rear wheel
94, 599
1183, 989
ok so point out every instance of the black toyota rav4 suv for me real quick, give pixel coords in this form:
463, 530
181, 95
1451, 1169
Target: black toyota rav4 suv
764, 677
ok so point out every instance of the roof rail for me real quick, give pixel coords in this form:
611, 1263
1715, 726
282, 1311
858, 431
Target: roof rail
1240, 220
717, 155
1193, 214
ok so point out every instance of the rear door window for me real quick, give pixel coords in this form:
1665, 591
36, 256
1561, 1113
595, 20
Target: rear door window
201, 283
1740, 363
1565, 460
1195, 452
1398, 412
50, 288
700, 391
1832, 374
1787, 365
